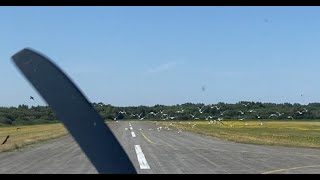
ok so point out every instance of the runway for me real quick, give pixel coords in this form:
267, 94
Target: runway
164, 152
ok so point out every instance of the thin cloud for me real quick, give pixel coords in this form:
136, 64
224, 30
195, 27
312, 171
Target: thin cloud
162, 67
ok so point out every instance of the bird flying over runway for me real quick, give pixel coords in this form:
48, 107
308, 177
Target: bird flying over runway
5, 140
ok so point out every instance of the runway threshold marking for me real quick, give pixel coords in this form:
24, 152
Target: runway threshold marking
279, 170
141, 158
133, 134
147, 138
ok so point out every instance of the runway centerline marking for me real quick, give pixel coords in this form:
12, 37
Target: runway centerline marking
133, 134
141, 158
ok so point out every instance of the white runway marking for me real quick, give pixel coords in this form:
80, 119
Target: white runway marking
142, 160
133, 134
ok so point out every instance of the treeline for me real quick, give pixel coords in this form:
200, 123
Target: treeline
24, 115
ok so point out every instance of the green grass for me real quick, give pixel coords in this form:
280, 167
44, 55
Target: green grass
286, 133
29, 134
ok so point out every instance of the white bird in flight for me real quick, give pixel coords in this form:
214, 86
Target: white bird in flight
279, 114
246, 104
153, 113
181, 111
221, 113
200, 109
218, 108
290, 117
273, 115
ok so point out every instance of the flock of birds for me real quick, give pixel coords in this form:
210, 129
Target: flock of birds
211, 120
165, 116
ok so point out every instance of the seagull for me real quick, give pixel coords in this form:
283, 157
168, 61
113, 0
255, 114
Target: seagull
252, 111
258, 116
196, 118
273, 115
305, 109
161, 112
241, 119
116, 117
218, 108
221, 113
246, 104
241, 112
122, 112
290, 117
200, 109
153, 113
164, 115
143, 118
31, 98
5, 140
192, 115
220, 120
208, 117
132, 115
171, 117
181, 111
279, 114
300, 112
139, 115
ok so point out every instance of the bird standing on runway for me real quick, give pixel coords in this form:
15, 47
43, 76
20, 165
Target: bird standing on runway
5, 140
31, 98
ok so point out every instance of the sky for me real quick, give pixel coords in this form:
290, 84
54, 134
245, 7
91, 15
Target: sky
130, 56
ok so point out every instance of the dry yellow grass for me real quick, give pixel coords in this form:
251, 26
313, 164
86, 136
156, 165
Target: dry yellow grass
285, 133
29, 134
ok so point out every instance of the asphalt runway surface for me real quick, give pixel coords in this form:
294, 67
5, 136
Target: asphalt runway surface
164, 152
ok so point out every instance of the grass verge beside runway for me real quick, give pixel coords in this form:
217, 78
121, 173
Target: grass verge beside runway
285, 133
27, 135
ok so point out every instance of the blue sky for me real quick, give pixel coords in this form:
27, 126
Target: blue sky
128, 56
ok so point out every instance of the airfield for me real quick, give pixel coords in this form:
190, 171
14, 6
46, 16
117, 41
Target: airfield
154, 151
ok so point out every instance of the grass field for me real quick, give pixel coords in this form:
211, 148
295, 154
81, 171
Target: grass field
29, 134
286, 133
